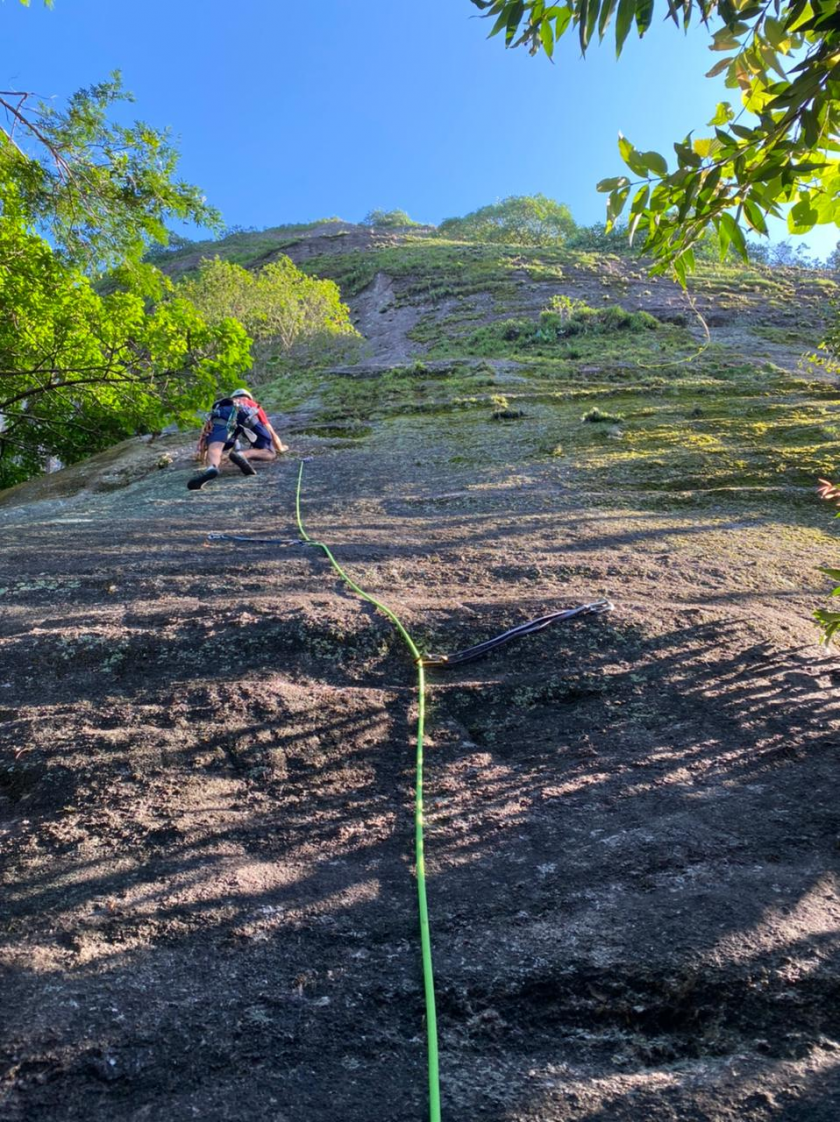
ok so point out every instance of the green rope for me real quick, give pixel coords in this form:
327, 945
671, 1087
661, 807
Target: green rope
425, 937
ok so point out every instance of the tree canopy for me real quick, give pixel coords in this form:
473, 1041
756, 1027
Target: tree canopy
518, 219
279, 304
777, 148
84, 363
80, 370
102, 193
388, 219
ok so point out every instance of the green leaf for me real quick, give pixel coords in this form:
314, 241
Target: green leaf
655, 162
795, 21
514, 17
718, 67
729, 232
690, 186
607, 9
615, 205
499, 24
631, 157
593, 7
562, 22
774, 29
757, 163
833, 573
583, 14
740, 243
808, 168
827, 207
802, 217
754, 217
640, 200
829, 623
724, 235
723, 114
623, 23
799, 224
660, 199
547, 37
706, 146
687, 156
644, 14
810, 127
711, 179
771, 61
728, 145
633, 226
610, 184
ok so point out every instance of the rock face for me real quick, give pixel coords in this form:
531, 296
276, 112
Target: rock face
385, 323
111, 470
206, 750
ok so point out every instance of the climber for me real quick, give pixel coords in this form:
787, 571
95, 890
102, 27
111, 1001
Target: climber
231, 421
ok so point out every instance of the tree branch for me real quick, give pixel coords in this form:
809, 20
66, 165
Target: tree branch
19, 117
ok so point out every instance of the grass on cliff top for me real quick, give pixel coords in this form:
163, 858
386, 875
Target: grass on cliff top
241, 247
434, 262
436, 267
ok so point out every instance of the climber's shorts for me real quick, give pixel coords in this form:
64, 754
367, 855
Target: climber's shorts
219, 435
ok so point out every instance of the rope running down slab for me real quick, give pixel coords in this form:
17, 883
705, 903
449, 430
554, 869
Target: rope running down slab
420, 862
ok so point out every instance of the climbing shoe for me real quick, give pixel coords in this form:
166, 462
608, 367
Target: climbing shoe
240, 461
198, 481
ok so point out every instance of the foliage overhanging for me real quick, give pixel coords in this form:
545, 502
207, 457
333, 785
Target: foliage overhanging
777, 152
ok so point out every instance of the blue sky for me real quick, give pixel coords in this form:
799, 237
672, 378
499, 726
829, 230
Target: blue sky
288, 112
